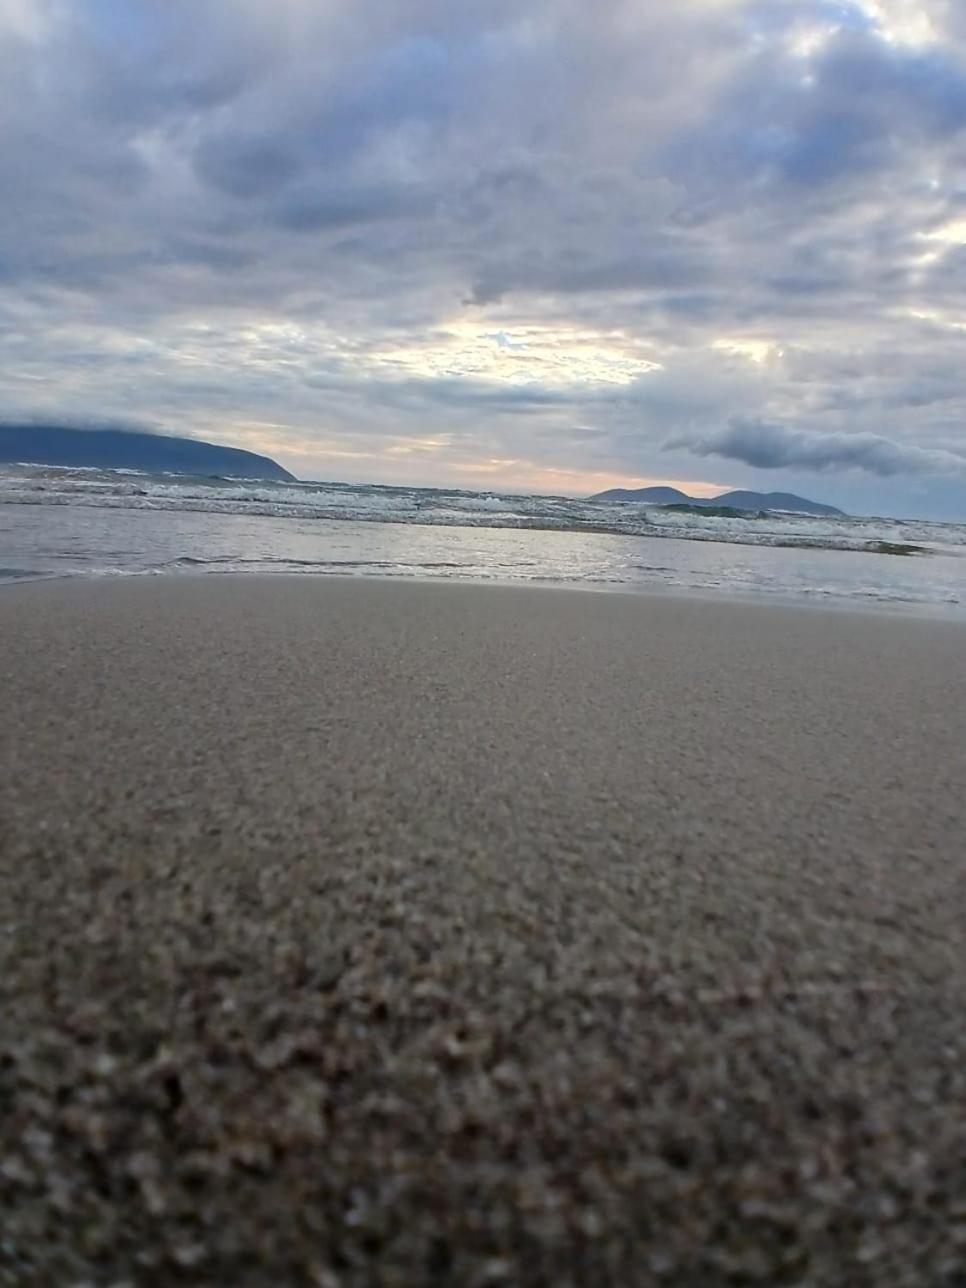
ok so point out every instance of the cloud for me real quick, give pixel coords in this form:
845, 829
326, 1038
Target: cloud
774, 447
306, 220
245, 166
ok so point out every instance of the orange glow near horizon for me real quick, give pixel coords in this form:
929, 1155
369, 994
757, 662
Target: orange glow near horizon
496, 473
556, 479
409, 463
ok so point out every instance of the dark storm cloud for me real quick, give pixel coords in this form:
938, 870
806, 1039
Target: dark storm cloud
245, 166
316, 207
316, 217
775, 447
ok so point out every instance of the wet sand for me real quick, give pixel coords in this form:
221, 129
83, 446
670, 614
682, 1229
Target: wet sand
361, 933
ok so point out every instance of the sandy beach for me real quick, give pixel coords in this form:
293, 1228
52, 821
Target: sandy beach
362, 933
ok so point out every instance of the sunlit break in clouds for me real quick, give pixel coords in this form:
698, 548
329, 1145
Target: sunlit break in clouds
516, 245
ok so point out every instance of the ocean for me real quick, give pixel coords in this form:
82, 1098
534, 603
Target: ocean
66, 522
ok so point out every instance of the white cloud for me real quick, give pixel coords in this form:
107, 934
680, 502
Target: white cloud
904, 22
27, 19
547, 356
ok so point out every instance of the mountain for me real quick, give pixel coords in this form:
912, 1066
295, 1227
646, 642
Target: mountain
736, 500
773, 501
127, 449
652, 495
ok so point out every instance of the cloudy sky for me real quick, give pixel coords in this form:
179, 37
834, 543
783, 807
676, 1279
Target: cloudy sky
538, 244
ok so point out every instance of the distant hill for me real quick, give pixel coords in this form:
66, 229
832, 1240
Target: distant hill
773, 501
652, 495
127, 449
735, 500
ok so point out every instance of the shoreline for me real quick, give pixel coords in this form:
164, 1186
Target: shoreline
362, 930
877, 606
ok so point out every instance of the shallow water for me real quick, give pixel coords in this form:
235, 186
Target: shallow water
56, 523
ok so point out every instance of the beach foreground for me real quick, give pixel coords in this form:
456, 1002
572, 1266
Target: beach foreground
358, 933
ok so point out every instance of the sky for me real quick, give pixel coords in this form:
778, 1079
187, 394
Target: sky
526, 244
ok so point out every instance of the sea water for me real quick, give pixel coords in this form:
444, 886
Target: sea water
65, 522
